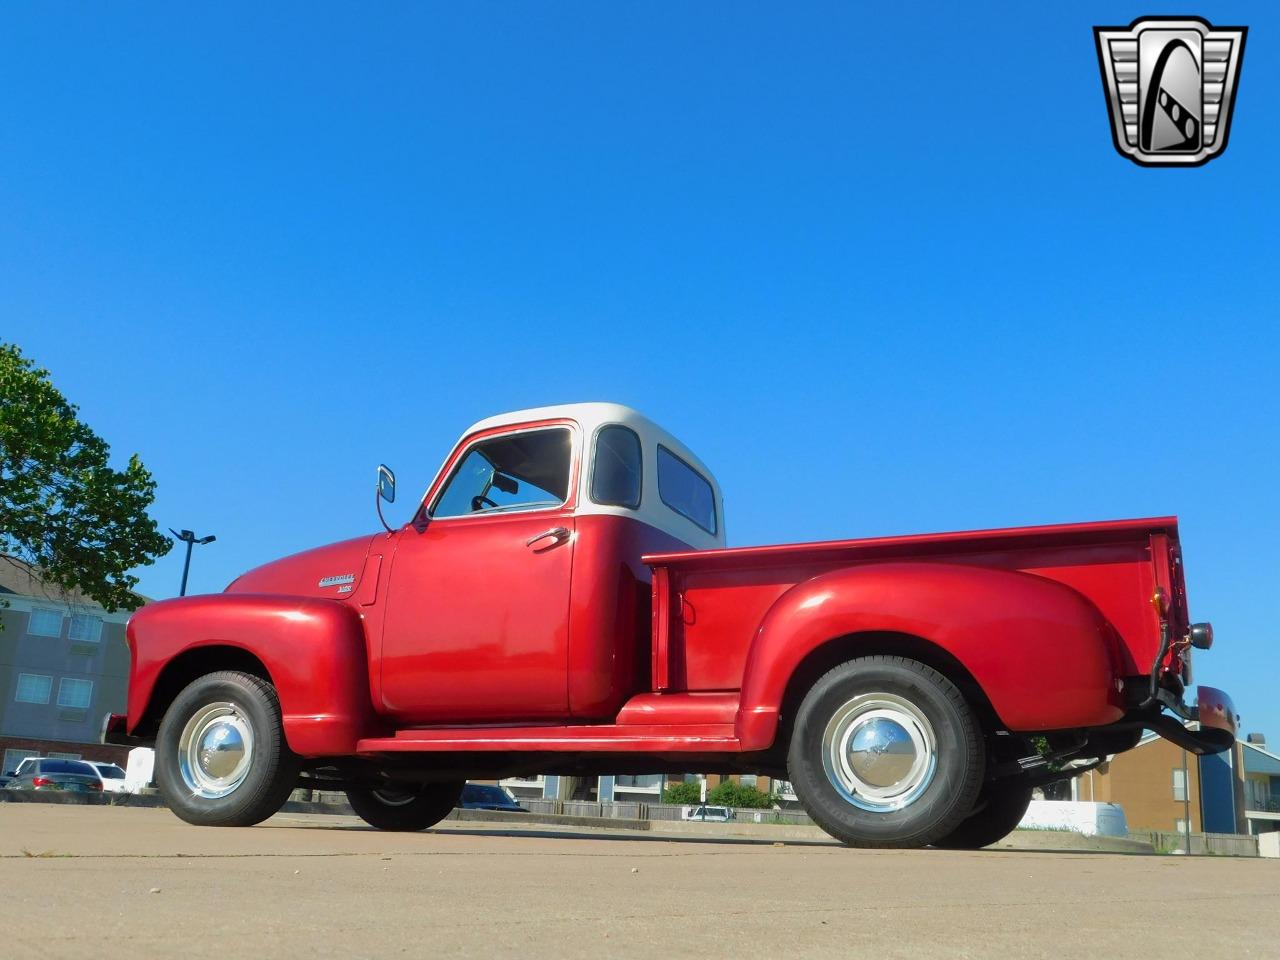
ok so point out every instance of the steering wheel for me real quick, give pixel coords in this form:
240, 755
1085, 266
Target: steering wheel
480, 502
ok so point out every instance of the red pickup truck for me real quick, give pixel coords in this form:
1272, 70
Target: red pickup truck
562, 602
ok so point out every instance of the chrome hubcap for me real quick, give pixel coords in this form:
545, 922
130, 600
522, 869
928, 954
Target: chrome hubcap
391, 797
879, 752
215, 750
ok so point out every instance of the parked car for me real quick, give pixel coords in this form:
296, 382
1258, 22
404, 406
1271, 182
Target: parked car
484, 796
23, 764
112, 776
42, 773
704, 812
562, 600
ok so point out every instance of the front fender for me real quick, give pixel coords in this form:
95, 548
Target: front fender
1043, 654
314, 650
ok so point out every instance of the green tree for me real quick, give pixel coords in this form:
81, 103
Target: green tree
63, 508
729, 793
686, 792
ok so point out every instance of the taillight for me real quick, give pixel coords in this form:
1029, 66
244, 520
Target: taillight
41, 782
95, 786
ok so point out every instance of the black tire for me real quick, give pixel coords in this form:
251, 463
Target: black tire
272, 771
997, 814
934, 799
406, 807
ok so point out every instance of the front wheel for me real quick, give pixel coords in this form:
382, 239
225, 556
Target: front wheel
221, 755
405, 806
885, 752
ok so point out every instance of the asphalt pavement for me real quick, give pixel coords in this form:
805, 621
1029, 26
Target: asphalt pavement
138, 883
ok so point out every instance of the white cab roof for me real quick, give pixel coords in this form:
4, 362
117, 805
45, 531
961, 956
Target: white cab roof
590, 417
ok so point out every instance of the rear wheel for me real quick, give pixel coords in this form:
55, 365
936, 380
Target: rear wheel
885, 752
407, 806
995, 818
221, 756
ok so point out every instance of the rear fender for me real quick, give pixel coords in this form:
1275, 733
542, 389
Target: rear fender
313, 650
1044, 655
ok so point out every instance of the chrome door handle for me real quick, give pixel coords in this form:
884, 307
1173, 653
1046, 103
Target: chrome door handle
561, 534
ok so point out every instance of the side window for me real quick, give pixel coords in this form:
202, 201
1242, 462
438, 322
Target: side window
686, 491
518, 471
33, 688
76, 694
616, 470
85, 628
45, 623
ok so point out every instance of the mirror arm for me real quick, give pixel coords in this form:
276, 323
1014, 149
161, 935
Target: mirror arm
378, 500
385, 476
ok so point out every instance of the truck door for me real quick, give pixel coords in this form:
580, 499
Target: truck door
477, 620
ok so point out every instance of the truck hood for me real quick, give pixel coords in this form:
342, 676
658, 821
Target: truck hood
334, 571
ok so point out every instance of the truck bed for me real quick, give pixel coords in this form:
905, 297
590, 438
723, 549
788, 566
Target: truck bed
709, 603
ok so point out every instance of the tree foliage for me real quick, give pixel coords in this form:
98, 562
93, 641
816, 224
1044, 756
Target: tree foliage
729, 793
689, 791
63, 508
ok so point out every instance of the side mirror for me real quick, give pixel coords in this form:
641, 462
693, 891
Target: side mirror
386, 483
386, 491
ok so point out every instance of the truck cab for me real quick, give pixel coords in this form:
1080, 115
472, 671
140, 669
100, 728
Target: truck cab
527, 550
562, 600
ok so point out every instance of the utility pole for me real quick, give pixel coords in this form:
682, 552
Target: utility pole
1186, 805
189, 538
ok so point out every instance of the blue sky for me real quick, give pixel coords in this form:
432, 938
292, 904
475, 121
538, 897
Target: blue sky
884, 272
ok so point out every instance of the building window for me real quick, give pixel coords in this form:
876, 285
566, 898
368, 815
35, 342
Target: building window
1179, 784
33, 688
45, 623
63, 756
748, 779
75, 694
85, 629
14, 757
645, 781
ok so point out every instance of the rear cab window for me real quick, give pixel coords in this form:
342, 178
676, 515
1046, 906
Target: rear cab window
685, 490
617, 467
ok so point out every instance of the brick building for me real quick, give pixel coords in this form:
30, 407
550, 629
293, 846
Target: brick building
1160, 786
63, 666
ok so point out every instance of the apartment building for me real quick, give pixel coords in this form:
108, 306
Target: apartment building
1161, 786
63, 666
1261, 784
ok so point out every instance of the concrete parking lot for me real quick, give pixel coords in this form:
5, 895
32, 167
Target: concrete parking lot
112, 881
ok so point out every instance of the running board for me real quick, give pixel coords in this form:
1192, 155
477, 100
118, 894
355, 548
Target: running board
595, 738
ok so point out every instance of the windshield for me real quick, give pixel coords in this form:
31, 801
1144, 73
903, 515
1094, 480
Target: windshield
480, 793
519, 471
109, 771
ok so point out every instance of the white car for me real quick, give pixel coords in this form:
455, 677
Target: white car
112, 777
704, 812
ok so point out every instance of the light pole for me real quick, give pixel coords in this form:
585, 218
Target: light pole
1186, 805
189, 538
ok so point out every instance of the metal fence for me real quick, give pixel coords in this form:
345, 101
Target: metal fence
654, 811
586, 808
1164, 841
1219, 844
